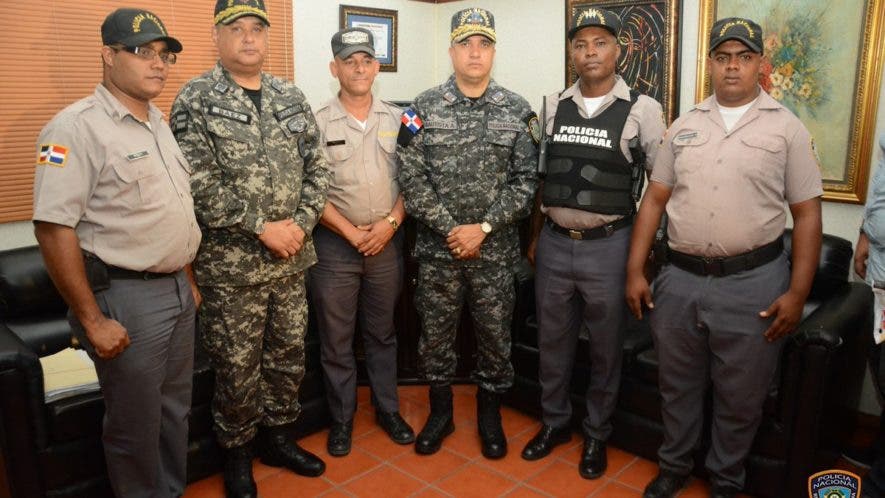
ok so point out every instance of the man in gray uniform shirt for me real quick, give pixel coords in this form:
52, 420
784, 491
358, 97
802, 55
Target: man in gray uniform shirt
729, 295
360, 267
114, 218
600, 133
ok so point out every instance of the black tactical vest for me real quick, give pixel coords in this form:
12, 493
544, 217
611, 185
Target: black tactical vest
585, 168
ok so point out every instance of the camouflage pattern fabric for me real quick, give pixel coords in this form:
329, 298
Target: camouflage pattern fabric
471, 162
249, 167
442, 290
254, 337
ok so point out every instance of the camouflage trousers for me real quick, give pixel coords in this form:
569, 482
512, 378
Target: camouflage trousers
443, 287
254, 337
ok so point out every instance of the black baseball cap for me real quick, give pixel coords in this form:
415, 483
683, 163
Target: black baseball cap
352, 40
736, 28
586, 17
228, 11
134, 28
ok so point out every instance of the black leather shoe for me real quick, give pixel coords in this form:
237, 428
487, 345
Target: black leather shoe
488, 421
723, 491
593, 458
395, 427
440, 422
338, 443
665, 485
545, 440
238, 480
279, 451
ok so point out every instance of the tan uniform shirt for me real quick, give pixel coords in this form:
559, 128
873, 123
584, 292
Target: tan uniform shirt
363, 162
646, 119
123, 186
729, 188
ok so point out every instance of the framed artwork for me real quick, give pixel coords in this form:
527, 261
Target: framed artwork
382, 24
649, 60
823, 61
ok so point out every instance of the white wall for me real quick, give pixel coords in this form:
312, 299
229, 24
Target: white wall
316, 22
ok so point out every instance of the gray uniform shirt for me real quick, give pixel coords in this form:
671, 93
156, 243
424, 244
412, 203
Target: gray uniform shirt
121, 184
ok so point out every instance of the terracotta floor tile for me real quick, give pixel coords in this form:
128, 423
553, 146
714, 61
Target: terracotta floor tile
363, 396
526, 492
695, 489
336, 493
363, 421
288, 484
384, 481
562, 480
209, 487
431, 492
414, 412
261, 471
413, 393
615, 489
316, 444
638, 474
430, 468
464, 441
515, 422
378, 443
476, 482
343, 469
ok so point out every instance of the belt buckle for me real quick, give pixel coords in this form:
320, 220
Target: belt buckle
576, 234
711, 266
609, 230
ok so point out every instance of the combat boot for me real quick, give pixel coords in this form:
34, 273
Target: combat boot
278, 450
238, 480
488, 419
439, 423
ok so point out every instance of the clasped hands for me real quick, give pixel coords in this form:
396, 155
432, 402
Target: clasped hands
464, 241
284, 238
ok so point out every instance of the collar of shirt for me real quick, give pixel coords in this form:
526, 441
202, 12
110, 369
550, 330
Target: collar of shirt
620, 91
337, 110
118, 111
451, 87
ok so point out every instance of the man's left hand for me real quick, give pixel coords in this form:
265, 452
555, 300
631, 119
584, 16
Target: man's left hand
464, 241
378, 234
786, 310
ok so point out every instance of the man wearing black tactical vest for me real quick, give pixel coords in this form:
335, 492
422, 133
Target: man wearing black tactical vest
600, 135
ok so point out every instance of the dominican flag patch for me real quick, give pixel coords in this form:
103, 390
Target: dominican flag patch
52, 155
411, 125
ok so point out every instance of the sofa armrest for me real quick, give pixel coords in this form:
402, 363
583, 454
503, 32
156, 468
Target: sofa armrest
22, 414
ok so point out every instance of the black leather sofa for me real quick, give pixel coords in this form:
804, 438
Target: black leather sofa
54, 449
807, 415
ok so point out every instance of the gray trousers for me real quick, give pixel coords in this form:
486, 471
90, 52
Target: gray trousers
345, 285
579, 284
707, 330
147, 388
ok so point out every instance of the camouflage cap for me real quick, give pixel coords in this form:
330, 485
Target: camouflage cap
473, 21
135, 27
228, 11
735, 28
352, 40
586, 17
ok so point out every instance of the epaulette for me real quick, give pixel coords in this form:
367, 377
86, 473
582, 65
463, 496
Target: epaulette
221, 87
497, 97
277, 86
450, 97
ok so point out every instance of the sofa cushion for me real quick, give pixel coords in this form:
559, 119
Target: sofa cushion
25, 287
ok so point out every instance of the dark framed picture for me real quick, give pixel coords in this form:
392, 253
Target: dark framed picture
649, 60
382, 24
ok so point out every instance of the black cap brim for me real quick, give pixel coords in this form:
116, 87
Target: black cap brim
572, 32
743, 39
140, 39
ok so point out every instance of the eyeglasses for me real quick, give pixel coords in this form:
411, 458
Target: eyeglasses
148, 54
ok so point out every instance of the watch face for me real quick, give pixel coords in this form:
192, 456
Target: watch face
486, 227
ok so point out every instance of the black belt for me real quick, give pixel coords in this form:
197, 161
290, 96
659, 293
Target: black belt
124, 274
721, 267
592, 233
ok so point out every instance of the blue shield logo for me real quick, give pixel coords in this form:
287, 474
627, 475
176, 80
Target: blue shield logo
834, 484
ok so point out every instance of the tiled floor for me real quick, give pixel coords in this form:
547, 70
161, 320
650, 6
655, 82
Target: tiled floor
377, 467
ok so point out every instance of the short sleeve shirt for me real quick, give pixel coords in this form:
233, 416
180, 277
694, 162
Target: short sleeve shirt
363, 161
123, 185
874, 219
645, 120
729, 189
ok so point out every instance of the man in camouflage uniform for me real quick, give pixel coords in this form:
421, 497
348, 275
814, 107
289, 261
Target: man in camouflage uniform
259, 186
468, 174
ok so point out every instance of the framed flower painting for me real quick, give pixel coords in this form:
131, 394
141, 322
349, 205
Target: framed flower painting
823, 61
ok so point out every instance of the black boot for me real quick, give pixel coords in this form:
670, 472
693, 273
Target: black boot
278, 450
439, 424
238, 480
488, 419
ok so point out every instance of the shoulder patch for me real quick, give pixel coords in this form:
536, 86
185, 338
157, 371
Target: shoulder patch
179, 122
531, 120
411, 125
52, 155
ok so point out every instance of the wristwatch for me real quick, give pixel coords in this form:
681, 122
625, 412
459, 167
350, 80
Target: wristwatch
486, 227
393, 222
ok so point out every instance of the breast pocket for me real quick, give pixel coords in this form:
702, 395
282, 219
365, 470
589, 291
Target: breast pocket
443, 148
500, 144
234, 141
140, 182
766, 156
387, 144
690, 151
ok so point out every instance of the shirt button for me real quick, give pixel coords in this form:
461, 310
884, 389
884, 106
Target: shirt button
719, 161
715, 187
